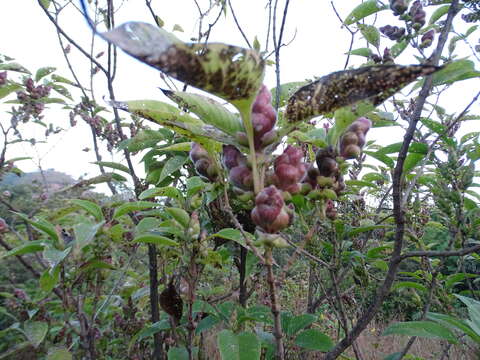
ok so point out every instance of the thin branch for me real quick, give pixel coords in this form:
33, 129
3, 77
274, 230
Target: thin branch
238, 25
277, 46
461, 252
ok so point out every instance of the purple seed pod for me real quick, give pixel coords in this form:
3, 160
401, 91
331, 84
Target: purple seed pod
232, 157
263, 116
398, 6
29, 85
3, 78
427, 39
197, 152
241, 176
289, 169
270, 212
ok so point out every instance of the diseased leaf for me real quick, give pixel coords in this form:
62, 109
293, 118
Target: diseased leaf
13, 66
286, 90
363, 10
426, 329
41, 225
342, 88
230, 72
53, 257
398, 48
168, 191
85, 233
244, 346
173, 164
208, 110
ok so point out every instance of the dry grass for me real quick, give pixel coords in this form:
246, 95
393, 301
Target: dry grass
373, 347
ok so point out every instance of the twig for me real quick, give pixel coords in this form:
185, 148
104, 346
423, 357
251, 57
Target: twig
274, 305
238, 25
277, 46
462, 252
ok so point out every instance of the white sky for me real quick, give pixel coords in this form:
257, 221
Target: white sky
318, 48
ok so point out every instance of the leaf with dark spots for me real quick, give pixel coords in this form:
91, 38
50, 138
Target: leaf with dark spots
230, 72
342, 88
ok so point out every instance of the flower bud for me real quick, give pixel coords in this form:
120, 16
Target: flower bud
427, 39
197, 152
289, 169
241, 176
232, 157
392, 32
270, 212
204, 165
398, 6
263, 117
327, 166
3, 78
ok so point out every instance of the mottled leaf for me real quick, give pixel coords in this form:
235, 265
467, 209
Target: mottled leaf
30, 247
156, 239
9, 88
370, 33
59, 353
133, 206
89, 207
365, 52
44, 71
230, 72
342, 88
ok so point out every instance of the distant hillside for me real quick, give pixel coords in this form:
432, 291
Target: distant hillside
50, 177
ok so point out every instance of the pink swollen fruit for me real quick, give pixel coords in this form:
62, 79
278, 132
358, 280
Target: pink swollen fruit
270, 212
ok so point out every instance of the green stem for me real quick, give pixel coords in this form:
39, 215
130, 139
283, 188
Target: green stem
246, 113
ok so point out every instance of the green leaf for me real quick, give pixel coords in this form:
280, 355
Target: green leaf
455, 71
59, 353
113, 165
381, 157
45, 3
53, 257
454, 279
426, 329
232, 234
155, 239
9, 88
44, 71
194, 185
244, 346
173, 164
132, 207
13, 66
230, 72
85, 233
30, 247
49, 280
89, 207
438, 13
35, 331
409, 285
360, 183
184, 146
342, 88
178, 353
180, 215
313, 339
454, 323
361, 229
411, 161
365, 52
41, 225
168, 191
473, 307
171, 117
299, 322
398, 48
371, 34
208, 110
363, 10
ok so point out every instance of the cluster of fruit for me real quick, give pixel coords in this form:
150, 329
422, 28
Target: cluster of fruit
289, 174
31, 100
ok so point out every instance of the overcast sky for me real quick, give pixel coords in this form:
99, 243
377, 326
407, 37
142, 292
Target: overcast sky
317, 49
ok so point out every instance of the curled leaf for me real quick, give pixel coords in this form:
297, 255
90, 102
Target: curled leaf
342, 88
